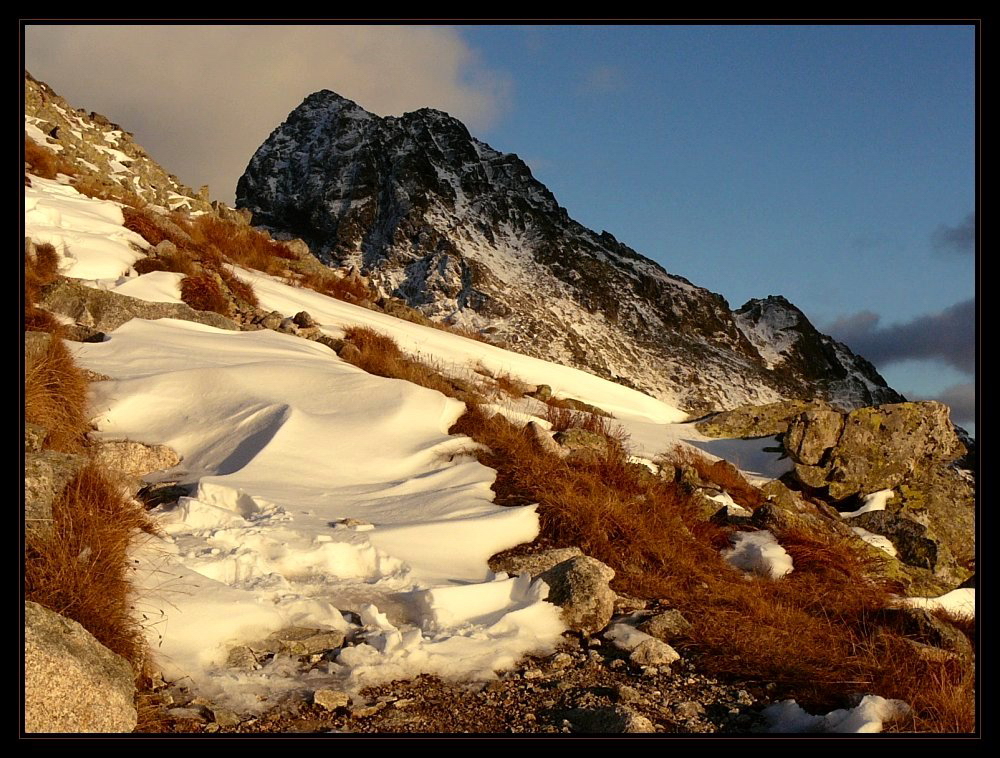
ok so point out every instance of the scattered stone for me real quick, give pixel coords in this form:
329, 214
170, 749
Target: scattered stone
364, 711
627, 694
105, 311
304, 320
617, 719
561, 660
300, 640
580, 587
331, 700
689, 710
653, 652
242, 658
225, 718
72, 683
667, 626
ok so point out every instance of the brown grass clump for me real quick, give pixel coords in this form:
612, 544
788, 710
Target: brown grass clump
204, 293
179, 262
149, 225
80, 570
811, 633
345, 288
241, 289
42, 161
380, 355
235, 243
511, 385
722, 474
40, 269
55, 395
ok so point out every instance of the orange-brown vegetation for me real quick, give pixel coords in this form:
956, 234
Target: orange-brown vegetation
238, 244
348, 289
204, 293
55, 395
40, 269
81, 568
722, 474
380, 355
511, 385
42, 161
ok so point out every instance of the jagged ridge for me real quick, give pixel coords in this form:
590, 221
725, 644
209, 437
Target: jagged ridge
466, 234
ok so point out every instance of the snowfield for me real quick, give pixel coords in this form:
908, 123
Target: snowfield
322, 496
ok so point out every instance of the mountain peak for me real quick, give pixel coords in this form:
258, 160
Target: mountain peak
467, 235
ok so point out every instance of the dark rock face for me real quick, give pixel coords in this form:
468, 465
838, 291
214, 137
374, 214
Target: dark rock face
465, 234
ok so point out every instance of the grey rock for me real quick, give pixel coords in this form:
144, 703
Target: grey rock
223, 717
106, 311
331, 700
616, 719
811, 434
242, 658
533, 563
72, 683
542, 392
580, 587
906, 535
288, 326
46, 474
304, 320
271, 320
667, 626
653, 652
545, 441
134, 458
300, 640
581, 439
926, 628
754, 420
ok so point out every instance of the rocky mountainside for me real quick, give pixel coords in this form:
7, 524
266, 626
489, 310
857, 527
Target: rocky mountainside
467, 235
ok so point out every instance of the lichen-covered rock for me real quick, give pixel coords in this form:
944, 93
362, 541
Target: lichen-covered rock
545, 440
666, 626
34, 437
72, 683
533, 563
106, 311
653, 652
754, 420
811, 434
46, 474
870, 449
134, 458
301, 640
580, 587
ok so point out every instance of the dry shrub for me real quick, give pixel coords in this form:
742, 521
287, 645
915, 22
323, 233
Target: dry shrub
80, 569
40, 269
380, 355
179, 262
239, 244
346, 288
810, 633
563, 418
721, 473
43, 162
149, 225
55, 395
204, 293
241, 289
512, 385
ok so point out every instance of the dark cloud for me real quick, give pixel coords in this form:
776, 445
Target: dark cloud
948, 336
960, 238
961, 398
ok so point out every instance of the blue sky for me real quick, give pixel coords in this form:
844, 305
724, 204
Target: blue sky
834, 165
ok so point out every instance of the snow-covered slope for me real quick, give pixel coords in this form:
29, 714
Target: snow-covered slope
466, 234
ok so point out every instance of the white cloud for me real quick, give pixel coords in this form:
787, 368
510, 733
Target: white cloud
201, 99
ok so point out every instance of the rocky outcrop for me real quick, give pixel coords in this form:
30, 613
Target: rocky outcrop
100, 150
870, 449
465, 234
754, 420
133, 459
72, 683
103, 311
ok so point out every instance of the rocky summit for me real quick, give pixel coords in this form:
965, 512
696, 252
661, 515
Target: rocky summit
467, 235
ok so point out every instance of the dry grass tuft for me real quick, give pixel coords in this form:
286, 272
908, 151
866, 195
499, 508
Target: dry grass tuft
81, 569
721, 473
42, 161
40, 269
55, 395
239, 288
512, 385
179, 262
380, 355
204, 293
234, 243
348, 289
